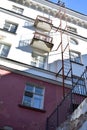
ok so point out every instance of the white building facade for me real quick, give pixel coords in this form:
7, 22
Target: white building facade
30, 35
22, 22
46, 42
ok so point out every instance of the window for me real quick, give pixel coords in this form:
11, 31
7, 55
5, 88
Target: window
38, 60
75, 56
71, 29
7, 128
4, 49
80, 87
73, 41
33, 96
17, 9
10, 27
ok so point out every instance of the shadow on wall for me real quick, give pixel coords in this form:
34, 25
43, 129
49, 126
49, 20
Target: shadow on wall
24, 45
29, 25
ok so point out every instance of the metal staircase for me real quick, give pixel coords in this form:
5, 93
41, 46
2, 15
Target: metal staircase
78, 91
71, 101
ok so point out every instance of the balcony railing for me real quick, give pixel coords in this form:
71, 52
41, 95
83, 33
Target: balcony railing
42, 42
43, 23
67, 106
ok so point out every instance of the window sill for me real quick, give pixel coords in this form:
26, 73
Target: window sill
31, 108
8, 31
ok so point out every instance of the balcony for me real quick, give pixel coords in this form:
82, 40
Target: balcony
42, 42
43, 23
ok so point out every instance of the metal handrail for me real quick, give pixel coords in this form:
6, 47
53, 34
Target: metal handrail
63, 111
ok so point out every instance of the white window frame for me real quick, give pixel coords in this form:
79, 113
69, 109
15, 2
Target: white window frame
76, 56
38, 60
10, 26
3, 49
73, 41
72, 29
29, 97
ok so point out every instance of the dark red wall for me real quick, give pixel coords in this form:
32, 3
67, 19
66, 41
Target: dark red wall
13, 114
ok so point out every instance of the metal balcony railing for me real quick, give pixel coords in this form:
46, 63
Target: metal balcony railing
42, 42
44, 19
43, 23
43, 37
68, 104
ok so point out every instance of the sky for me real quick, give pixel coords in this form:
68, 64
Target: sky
77, 5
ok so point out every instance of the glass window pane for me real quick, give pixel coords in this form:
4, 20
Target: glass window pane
29, 94
73, 41
6, 26
27, 101
33, 96
13, 28
4, 50
37, 101
77, 59
41, 65
38, 91
75, 56
38, 60
29, 88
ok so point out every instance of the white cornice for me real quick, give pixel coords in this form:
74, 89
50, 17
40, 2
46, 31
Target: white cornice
53, 9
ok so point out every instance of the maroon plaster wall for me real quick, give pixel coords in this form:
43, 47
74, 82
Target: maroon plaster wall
11, 92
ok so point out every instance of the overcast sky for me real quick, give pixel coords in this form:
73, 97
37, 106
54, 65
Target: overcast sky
77, 5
